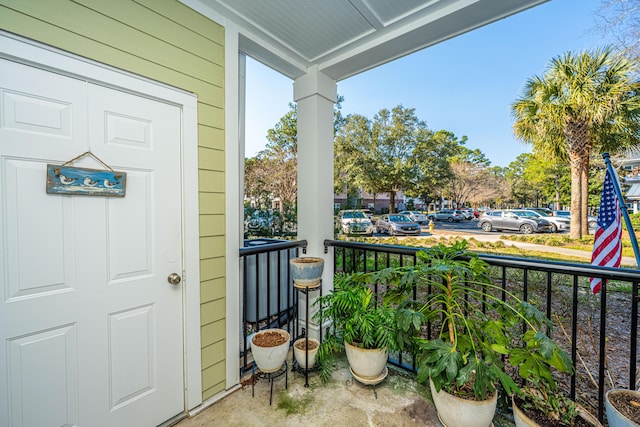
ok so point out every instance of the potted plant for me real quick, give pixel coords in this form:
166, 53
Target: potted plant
359, 323
306, 271
533, 406
476, 329
305, 349
269, 348
539, 402
623, 408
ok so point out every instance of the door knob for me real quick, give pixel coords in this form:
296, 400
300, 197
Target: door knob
174, 278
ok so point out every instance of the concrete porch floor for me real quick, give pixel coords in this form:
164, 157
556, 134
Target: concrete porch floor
400, 402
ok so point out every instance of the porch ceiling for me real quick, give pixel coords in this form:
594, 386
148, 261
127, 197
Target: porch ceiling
347, 37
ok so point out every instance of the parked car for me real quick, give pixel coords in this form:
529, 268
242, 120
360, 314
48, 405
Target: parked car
397, 224
354, 221
543, 211
526, 222
469, 213
558, 223
450, 215
592, 221
369, 215
416, 216
261, 222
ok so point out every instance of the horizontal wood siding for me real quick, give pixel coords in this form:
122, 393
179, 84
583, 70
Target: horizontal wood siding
165, 41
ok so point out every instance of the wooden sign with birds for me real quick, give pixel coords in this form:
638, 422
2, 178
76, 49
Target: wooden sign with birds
63, 179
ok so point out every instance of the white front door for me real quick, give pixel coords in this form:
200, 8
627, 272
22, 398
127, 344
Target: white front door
91, 331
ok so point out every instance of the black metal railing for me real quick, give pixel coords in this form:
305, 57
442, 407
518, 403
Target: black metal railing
268, 298
595, 329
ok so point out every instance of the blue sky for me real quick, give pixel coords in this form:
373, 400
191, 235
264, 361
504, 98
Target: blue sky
464, 85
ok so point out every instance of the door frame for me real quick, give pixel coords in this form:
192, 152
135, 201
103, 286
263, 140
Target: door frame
45, 57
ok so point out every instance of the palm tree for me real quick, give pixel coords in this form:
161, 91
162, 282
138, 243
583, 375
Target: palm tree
583, 101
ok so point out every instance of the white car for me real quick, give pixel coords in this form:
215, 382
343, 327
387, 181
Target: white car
415, 216
354, 222
558, 223
592, 221
468, 213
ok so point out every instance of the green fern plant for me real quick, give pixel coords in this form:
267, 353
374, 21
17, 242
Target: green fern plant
356, 317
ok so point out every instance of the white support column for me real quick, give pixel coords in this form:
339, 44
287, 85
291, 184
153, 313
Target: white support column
316, 94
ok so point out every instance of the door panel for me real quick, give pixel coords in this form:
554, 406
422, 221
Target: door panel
91, 332
48, 383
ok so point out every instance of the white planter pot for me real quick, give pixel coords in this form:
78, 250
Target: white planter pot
456, 412
301, 356
365, 363
270, 359
306, 271
616, 418
522, 420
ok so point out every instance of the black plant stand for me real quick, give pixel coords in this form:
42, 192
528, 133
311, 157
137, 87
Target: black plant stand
271, 376
305, 334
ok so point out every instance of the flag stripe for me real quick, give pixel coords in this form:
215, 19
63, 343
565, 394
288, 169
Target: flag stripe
607, 243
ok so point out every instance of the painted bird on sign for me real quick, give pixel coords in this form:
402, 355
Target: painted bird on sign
65, 180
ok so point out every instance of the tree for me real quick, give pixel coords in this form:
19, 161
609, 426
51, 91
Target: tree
273, 172
256, 180
468, 174
583, 101
279, 159
382, 151
622, 20
433, 156
352, 134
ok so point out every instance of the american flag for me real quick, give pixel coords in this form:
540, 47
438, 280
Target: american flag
607, 245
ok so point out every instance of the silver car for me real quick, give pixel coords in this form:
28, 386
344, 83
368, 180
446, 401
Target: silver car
416, 216
526, 222
397, 224
450, 215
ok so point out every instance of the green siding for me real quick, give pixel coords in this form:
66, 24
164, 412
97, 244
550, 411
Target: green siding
212, 354
211, 225
212, 289
212, 268
165, 41
212, 181
211, 203
212, 333
212, 311
212, 247
210, 383
210, 158
211, 137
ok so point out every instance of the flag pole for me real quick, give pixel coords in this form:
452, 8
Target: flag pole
623, 208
